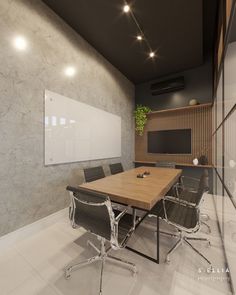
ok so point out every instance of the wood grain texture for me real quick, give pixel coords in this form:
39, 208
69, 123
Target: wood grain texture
177, 164
142, 193
198, 119
187, 108
228, 10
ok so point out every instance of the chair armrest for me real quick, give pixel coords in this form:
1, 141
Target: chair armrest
178, 187
118, 217
196, 180
181, 203
131, 227
192, 178
164, 206
170, 198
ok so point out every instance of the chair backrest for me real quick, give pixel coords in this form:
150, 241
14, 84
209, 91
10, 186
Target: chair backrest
162, 164
203, 186
93, 212
116, 168
94, 173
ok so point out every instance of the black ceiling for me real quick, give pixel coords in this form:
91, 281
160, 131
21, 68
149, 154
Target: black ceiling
173, 27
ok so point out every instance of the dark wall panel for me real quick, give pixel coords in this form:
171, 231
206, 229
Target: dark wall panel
198, 85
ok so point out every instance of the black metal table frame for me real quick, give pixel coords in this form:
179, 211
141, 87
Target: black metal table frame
157, 259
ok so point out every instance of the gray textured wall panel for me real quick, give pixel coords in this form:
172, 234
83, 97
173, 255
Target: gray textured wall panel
28, 190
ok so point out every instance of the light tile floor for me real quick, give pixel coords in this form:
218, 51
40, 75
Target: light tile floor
35, 265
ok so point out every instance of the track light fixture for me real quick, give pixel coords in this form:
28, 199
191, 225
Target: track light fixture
140, 36
151, 54
126, 8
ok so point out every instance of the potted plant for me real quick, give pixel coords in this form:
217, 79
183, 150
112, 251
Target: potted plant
140, 114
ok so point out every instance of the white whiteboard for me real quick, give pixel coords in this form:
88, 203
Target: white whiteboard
75, 131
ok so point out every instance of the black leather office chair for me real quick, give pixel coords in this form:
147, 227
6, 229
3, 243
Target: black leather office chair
90, 174
163, 164
116, 168
186, 191
93, 212
184, 217
94, 173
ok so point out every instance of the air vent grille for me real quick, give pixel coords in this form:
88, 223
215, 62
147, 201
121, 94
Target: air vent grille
166, 86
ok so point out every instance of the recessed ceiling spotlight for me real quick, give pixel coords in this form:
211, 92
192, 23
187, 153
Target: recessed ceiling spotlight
126, 8
139, 37
70, 71
20, 43
151, 54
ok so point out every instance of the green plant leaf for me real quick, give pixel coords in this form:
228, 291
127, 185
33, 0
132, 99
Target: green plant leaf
141, 118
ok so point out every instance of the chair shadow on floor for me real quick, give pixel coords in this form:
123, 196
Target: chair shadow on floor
85, 280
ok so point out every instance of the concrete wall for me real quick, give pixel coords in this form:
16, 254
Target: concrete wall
28, 190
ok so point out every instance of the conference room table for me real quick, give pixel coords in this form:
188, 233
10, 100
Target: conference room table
139, 193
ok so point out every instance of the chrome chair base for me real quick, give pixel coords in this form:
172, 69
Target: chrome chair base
205, 216
168, 234
163, 232
207, 226
101, 256
185, 240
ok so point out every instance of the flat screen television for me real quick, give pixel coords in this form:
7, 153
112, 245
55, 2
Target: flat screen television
170, 141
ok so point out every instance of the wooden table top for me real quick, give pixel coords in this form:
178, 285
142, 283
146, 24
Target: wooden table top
142, 193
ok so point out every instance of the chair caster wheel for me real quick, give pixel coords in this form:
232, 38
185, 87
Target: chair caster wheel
208, 244
167, 260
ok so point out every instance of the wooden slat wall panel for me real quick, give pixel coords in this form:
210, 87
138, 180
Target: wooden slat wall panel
199, 120
228, 10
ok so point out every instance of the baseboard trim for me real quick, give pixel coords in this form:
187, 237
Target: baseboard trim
9, 240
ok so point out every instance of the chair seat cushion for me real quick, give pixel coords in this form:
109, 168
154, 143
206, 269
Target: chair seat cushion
177, 213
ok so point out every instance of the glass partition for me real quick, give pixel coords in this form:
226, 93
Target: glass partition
229, 237
230, 155
219, 102
224, 156
230, 70
218, 136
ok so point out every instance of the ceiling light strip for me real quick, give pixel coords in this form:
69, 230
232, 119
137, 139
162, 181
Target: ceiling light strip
151, 53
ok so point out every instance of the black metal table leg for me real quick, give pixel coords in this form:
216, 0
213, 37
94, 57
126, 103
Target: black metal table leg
158, 240
156, 260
